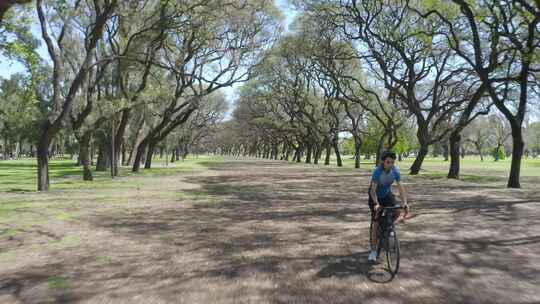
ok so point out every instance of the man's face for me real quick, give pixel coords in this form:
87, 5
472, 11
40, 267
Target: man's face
388, 163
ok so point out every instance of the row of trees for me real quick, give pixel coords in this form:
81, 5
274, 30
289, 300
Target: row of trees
382, 70
125, 78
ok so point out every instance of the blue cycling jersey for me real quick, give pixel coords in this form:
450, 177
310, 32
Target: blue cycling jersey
384, 180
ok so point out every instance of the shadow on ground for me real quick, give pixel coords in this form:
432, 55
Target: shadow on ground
271, 232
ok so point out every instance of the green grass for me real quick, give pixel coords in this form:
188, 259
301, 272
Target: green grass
472, 169
58, 282
23, 209
21, 175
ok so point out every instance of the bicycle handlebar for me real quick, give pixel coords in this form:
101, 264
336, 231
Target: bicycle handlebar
392, 207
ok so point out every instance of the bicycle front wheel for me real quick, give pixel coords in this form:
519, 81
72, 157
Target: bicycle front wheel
392, 252
371, 235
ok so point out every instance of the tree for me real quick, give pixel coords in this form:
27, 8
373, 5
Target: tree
199, 125
500, 133
57, 108
208, 49
499, 40
533, 138
477, 133
5, 5
17, 113
117, 85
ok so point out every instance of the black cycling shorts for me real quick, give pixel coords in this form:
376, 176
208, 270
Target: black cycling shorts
387, 201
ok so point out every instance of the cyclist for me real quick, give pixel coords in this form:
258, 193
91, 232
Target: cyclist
380, 194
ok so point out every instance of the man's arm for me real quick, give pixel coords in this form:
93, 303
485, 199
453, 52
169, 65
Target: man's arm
403, 194
373, 194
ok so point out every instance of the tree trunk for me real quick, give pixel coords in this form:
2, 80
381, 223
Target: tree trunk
141, 148
84, 156
335, 143
52, 150
43, 164
185, 152
517, 153
299, 154
92, 152
173, 155
445, 151
103, 161
357, 147
415, 168
308, 154
287, 153
455, 141
149, 155
328, 153
19, 150
136, 141
124, 153
119, 140
6, 148
130, 155
380, 148
317, 154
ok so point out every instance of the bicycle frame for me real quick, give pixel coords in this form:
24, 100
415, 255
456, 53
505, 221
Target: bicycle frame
386, 225
387, 234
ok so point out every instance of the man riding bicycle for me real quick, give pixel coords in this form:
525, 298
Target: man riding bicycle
380, 194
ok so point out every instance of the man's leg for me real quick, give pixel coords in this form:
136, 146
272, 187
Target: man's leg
394, 202
374, 233
390, 201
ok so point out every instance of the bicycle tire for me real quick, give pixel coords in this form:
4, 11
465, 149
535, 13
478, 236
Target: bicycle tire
392, 254
371, 234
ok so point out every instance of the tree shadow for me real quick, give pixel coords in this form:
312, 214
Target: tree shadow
346, 266
281, 235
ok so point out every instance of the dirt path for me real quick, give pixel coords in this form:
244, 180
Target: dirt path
271, 232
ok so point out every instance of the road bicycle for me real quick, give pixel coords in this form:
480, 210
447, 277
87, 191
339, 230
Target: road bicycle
388, 240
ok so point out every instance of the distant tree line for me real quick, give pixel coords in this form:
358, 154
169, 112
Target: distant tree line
403, 75
124, 79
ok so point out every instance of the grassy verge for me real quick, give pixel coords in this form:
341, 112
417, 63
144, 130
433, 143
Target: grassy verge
28, 218
472, 169
21, 175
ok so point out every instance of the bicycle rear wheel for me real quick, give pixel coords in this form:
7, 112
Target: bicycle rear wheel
392, 252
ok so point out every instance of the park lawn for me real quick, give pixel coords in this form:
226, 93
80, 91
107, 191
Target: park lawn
21, 175
211, 223
256, 223
472, 168
22, 207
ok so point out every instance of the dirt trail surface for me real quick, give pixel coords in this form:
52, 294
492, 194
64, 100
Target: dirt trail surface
271, 232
